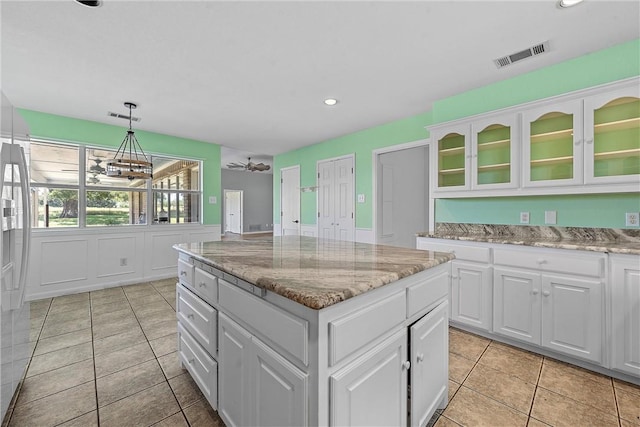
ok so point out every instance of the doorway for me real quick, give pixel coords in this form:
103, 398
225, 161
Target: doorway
402, 195
290, 201
233, 211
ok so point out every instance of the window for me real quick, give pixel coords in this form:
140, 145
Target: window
65, 195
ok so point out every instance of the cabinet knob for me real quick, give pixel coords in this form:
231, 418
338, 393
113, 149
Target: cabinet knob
190, 316
406, 365
183, 273
420, 357
202, 284
589, 141
454, 277
546, 293
535, 291
190, 361
541, 261
577, 142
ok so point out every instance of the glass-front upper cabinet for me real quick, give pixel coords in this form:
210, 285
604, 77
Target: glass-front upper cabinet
494, 152
553, 145
612, 136
453, 158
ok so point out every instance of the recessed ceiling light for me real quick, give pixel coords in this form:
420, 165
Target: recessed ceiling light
90, 3
330, 101
568, 3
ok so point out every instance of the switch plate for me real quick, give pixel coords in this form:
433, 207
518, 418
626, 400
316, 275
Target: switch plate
360, 198
550, 217
524, 217
213, 200
632, 219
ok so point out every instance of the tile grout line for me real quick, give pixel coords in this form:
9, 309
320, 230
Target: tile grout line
535, 390
615, 398
93, 355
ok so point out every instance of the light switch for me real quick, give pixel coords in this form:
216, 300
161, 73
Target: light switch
213, 200
360, 198
550, 217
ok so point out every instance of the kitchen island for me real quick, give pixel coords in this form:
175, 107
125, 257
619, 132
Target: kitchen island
305, 331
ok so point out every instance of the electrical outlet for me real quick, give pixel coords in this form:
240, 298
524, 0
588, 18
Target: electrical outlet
360, 198
524, 217
632, 219
213, 200
123, 262
550, 217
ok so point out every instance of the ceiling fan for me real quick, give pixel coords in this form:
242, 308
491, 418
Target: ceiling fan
250, 166
94, 170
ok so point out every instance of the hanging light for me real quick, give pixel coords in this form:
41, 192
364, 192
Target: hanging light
130, 161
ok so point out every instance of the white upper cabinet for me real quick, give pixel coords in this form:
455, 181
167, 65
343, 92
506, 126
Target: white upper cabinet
553, 145
494, 152
453, 154
612, 136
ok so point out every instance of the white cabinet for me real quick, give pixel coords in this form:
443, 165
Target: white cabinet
561, 312
257, 386
372, 390
429, 365
471, 296
625, 313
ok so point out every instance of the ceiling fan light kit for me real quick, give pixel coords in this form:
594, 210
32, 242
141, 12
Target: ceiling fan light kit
130, 160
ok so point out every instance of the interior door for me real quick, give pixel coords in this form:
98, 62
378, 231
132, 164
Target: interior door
336, 199
233, 211
290, 201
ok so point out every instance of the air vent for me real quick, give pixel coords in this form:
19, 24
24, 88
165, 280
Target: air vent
122, 116
523, 54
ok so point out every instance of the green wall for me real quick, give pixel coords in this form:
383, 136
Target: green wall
580, 210
83, 132
615, 63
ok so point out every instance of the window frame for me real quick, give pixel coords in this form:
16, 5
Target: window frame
82, 187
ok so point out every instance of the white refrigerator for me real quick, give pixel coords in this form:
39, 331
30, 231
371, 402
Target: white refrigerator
14, 252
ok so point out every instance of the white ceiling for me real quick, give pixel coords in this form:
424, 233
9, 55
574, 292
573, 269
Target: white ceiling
252, 75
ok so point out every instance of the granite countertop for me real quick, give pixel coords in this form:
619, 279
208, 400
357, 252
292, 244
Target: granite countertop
314, 272
620, 241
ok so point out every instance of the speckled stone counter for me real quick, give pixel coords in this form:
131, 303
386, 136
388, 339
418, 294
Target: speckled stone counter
314, 272
621, 241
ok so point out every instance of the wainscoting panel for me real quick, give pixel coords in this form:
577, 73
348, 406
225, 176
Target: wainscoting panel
63, 261
118, 255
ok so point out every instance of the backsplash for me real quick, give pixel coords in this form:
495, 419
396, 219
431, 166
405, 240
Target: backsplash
538, 232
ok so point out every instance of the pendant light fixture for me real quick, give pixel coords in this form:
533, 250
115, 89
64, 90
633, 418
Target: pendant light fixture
130, 161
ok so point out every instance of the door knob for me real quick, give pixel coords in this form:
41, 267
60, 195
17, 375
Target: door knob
296, 221
406, 365
420, 357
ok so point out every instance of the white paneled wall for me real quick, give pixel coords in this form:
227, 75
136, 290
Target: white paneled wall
71, 261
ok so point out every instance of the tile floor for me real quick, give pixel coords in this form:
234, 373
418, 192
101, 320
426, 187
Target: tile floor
109, 358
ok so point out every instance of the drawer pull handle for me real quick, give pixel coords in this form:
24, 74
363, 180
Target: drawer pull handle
190, 361
454, 277
183, 273
534, 291
541, 261
546, 293
420, 357
190, 316
202, 284
406, 365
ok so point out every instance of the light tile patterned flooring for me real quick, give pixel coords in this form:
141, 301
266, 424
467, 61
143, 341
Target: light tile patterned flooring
108, 358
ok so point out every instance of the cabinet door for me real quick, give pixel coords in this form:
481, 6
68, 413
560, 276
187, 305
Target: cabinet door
453, 156
471, 299
429, 365
372, 390
625, 289
234, 372
494, 152
572, 315
612, 136
279, 389
516, 304
553, 145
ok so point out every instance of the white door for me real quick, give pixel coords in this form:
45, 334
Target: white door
471, 294
402, 196
572, 313
280, 390
290, 201
429, 365
336, 210
372, 390
625, 289
516, 304
234, 372
233, 211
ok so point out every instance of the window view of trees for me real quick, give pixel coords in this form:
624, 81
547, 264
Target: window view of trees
109, 201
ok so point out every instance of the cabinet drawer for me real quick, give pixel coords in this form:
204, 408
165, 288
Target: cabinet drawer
203, 368
185, 272
353, 331
577, 262
461, 251
425, 295
198, 317
286, 331
206, 286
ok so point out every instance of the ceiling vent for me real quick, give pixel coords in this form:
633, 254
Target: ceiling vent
122, 116
523, 54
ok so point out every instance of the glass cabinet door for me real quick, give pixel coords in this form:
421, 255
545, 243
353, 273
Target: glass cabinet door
494, 153
452, 160
612, 134
553, 145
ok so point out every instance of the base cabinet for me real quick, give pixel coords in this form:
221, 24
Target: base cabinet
516, 304
625, 313
471, 294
